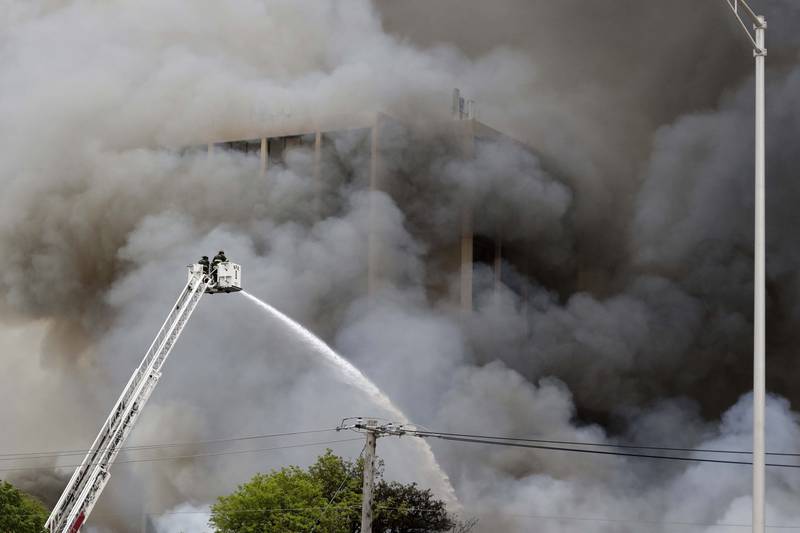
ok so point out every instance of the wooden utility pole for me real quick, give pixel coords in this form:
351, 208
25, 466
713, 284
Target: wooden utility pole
369, 476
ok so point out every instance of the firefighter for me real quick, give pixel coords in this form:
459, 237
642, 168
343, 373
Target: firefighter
205, 264
219, 258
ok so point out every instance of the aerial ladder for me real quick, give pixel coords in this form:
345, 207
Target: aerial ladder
91, 477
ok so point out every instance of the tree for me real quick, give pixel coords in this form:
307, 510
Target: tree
20, 513
408, 509
327, 499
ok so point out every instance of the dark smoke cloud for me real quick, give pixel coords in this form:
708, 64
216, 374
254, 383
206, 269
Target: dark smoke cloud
596, 81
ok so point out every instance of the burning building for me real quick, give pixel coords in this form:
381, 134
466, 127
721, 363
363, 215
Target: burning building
380, 152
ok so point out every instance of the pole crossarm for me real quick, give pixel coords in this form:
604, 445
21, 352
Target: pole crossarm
378, 426
759, 22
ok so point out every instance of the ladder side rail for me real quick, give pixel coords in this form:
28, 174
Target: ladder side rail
159, 360
92, 491
132, 411
99, 484
172, 316
148, 385
177, 309
72, 517
121, 413
102, 471
89, 501
148, 371
79, 476
142, 369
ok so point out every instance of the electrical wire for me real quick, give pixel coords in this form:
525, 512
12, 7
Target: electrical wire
188, 456
597, 452
9, 456
444, 436
608, 445
499, 513
64, 453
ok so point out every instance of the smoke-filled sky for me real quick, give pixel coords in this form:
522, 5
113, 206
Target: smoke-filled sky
641, 114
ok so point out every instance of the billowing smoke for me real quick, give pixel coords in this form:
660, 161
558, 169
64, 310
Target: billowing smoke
634, 325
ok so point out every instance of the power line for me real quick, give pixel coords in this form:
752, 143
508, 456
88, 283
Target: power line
351, 508
608, 445
401, 429
637, 521
500, 513
10, 456
444, 436
189, 456
597, 452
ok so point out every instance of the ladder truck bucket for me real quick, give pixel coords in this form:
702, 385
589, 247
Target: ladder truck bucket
226, 277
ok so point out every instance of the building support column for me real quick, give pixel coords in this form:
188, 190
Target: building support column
317, 173
498, 263
374, 251
466, 259
465, 129
264, 157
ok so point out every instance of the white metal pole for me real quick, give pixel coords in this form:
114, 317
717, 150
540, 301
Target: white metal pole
759, 323
369, 482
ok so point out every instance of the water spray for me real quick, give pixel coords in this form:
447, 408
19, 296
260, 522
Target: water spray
352, 376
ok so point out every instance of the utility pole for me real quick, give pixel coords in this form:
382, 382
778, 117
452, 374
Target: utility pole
759, 314
372, 430
369, 476
759, 336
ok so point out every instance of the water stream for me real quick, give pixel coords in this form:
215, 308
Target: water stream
355, 378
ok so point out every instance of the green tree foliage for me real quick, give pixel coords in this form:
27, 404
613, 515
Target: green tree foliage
408, 509
20, 513
327, 499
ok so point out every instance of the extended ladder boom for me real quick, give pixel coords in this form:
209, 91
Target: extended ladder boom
91, 476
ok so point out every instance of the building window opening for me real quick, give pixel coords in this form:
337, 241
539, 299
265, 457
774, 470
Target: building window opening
250, 147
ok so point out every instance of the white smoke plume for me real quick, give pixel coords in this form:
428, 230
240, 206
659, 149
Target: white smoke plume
101, 209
